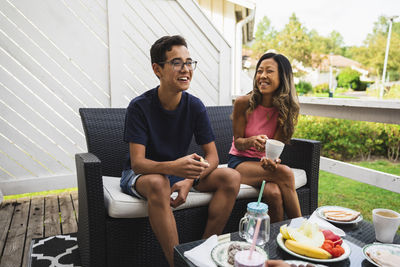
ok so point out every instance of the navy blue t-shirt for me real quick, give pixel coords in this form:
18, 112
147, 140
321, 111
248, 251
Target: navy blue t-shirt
166, 134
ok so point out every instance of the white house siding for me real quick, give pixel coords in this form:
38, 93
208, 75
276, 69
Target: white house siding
57, 56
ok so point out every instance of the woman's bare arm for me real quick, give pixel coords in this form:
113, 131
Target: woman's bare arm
239, 126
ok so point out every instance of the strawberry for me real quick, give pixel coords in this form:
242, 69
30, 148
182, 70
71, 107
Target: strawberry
334, 250
337, 251
328, 246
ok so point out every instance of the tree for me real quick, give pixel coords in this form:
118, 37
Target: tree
263, 37
372, 54
264, 32
294, 41
309, 48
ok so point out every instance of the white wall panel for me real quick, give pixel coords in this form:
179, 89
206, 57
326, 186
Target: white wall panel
53, 60
57, 56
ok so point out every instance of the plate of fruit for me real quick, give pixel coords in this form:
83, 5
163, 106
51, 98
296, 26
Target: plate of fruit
309, 242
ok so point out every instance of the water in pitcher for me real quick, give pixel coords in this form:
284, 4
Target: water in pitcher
248, 223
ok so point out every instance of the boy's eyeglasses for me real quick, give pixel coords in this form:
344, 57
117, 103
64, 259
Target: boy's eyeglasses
178, 64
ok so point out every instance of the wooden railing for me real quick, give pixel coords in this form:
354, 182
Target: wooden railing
383, 111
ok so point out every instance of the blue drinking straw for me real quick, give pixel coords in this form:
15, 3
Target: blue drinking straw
260, 194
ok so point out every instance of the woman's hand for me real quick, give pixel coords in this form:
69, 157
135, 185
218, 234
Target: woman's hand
258, 142
269, 164
276, 263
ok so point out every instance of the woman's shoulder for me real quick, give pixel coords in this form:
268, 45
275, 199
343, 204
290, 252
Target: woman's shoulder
242, 102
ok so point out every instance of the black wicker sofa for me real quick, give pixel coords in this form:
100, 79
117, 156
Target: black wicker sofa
107, 241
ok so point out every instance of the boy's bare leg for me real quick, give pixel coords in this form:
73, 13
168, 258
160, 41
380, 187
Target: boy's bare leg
225, 183
156, 189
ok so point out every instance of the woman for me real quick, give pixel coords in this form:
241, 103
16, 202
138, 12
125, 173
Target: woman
269, 111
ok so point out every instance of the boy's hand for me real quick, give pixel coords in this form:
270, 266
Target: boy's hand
182, 187
269, 164
190, 166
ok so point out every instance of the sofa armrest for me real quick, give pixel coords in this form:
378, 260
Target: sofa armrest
305, 154
91, 223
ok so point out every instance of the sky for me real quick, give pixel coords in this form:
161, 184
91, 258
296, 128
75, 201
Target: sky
353, 19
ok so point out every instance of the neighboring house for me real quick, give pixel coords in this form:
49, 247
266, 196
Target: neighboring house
321, 73
59, 56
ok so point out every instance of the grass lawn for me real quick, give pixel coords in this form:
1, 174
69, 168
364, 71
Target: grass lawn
340, 191
334, 96
42, 193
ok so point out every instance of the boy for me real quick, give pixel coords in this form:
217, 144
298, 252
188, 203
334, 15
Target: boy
159, 126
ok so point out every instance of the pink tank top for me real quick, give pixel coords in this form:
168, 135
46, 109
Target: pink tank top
261, 121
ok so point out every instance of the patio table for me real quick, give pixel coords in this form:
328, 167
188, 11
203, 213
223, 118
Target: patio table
357, 236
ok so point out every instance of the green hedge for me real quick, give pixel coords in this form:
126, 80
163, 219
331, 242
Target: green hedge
303, 87
321, 88
349, 78
351, 140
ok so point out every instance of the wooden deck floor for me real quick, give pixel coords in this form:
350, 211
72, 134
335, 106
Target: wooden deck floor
27, 218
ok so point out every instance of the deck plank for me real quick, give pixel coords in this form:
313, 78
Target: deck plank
68, 220
14, 246
6, 214
74, 196
35, 225
51, 216
23, 219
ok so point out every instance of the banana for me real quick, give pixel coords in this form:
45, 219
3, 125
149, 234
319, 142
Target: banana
309, 251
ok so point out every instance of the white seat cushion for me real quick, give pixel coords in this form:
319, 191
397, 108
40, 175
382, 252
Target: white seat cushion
121, 205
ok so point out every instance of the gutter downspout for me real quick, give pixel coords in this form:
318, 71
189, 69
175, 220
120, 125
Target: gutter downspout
238, 52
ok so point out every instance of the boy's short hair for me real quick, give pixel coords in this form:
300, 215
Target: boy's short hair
161, 46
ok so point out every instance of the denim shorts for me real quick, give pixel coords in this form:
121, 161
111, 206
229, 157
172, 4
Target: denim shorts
234, 161
129, 178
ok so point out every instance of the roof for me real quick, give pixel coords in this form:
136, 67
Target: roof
246, 3
338, 61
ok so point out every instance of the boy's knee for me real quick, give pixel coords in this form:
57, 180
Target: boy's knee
229, 179
233, 177
158, 185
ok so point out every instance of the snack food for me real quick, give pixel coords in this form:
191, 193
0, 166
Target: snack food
233, 249
306, 250
384, 258
310, 241
341, 215
302, 265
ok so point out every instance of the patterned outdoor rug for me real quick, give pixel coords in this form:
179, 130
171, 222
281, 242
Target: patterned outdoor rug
59, 250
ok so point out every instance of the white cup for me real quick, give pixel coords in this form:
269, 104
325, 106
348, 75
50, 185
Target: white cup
386, 222
242, 259
273, 148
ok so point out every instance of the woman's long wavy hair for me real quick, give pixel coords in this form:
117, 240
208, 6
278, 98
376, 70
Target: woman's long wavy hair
284, 98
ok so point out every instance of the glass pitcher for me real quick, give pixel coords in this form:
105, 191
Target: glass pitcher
248, 223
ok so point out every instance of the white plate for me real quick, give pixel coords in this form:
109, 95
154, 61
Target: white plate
394, 249
344, 245
220, 252
320, 213
297, 263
